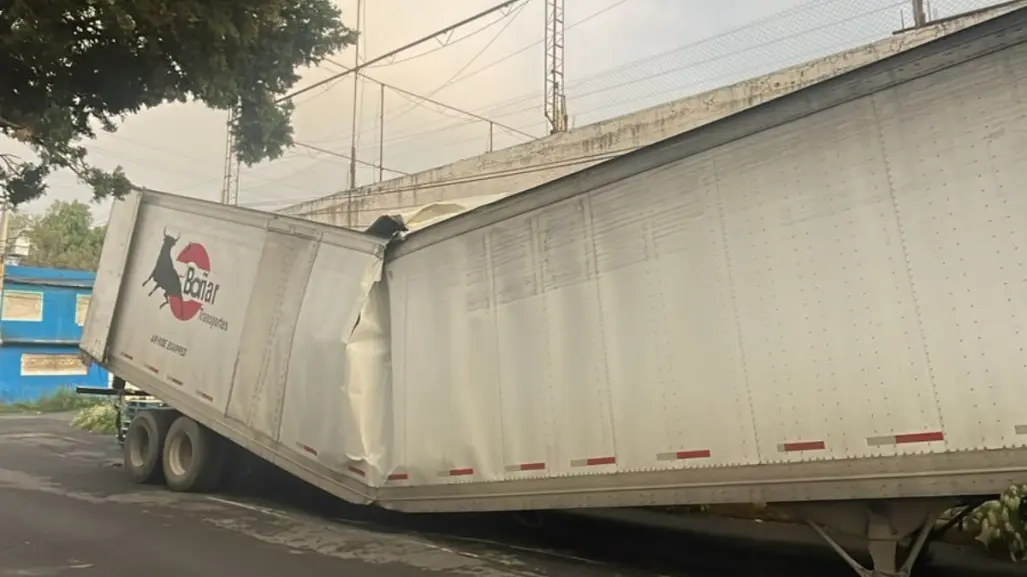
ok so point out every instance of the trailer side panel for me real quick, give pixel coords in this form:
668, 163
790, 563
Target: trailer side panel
825, 308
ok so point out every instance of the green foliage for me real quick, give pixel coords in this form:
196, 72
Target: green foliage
1001, 524
63, 237
70, 68
99, 418
58, 402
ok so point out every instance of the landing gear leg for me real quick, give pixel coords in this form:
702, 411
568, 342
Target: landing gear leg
885, 525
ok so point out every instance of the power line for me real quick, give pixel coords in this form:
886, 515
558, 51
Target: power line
493, 64
630, 71
349, 158
399, 50
847, 11
361, 65
477, 55
820, 5
434, 102
757, 30
635, 65
445, 45
524, 49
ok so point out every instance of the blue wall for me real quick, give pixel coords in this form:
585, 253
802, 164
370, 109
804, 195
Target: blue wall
39, 333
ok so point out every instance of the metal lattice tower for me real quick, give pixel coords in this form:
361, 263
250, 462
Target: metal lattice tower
556, 101
230, 182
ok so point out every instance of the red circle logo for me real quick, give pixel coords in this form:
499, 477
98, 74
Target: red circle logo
189, 303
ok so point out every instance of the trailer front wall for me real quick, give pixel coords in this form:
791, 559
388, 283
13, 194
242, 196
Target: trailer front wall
189, 341
246, 322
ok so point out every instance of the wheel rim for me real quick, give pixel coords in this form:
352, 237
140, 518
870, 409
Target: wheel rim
180, 455
139, 448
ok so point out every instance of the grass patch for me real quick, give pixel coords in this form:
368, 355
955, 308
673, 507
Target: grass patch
102, 418
60, 401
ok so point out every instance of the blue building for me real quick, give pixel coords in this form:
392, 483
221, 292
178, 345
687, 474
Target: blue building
42, 311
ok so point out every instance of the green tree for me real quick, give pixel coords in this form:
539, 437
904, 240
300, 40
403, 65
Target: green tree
63, 237
71, 67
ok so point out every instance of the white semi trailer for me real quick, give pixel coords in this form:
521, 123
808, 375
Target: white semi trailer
819, 302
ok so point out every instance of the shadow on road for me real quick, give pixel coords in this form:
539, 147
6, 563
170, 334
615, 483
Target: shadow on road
628, 547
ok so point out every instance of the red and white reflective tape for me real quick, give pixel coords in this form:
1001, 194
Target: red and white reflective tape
176, 381
684, 455
1020, 429
306, 448
799, 446
526, 467
594, 462
204, 396
461, 472
398, 477
906, 438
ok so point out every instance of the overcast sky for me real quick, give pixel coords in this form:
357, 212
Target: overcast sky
621, 56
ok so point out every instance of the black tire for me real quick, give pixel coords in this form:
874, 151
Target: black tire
142, 452
194, 457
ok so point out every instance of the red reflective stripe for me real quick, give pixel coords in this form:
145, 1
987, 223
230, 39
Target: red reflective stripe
919, 437
461, 472
696, 454
531, 466
803, 446
398, 477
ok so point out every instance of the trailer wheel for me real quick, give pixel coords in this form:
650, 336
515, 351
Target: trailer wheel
193, 457
144, 444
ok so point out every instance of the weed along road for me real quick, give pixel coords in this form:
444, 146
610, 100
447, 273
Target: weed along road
67, 508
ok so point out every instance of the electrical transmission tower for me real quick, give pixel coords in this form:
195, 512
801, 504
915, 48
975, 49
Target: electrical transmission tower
230, 182
556, 101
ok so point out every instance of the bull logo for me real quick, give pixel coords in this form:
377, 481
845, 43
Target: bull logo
184, 279
164, 274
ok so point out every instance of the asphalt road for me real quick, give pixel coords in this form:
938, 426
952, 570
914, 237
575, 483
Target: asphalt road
66, 508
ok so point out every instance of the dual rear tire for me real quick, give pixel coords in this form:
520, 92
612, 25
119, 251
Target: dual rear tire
164, 446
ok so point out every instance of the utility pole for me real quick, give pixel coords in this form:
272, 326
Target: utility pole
556, 101
919, 14
381, 137
356, 90
230, 182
